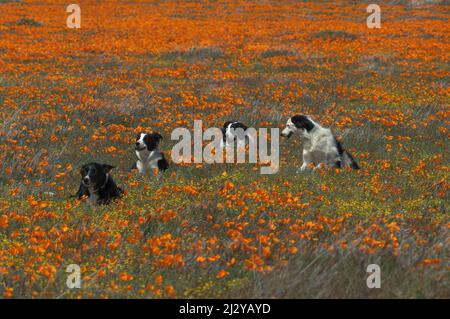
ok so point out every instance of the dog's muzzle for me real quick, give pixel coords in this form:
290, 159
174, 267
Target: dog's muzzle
287, 135
86, 181
138, 148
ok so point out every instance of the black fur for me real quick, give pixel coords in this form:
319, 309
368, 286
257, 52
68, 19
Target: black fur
224, 130
236, 125
339, 147
353, 163
151, 140
302, 122
163, 164
225, 125
342, 152
100, 182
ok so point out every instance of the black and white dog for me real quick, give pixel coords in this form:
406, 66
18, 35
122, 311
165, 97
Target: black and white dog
97, 184
319, 144
148, 154
234, 131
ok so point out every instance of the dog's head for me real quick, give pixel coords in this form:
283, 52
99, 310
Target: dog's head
149, 142
298, 123
226, 127
232, 130
227, 123
94, 174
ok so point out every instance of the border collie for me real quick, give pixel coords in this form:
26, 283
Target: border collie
97, 184
319, 144
233, 130
148, 154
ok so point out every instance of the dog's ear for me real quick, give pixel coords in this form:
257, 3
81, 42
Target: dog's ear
157, 136
302, 122
297, 120
225, 125
107, 167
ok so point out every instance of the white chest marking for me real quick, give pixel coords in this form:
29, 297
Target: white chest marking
147, 161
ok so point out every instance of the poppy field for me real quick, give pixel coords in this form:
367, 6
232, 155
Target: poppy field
72, 96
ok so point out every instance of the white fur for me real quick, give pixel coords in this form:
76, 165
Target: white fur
230, 135
141, 140
319, 146
147, 161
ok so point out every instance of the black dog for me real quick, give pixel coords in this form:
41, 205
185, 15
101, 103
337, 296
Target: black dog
97, 184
